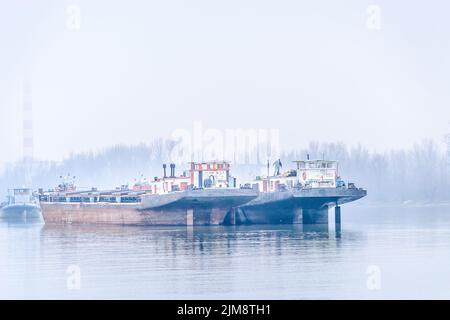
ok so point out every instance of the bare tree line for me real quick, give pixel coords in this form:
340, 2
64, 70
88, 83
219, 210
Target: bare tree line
419, 174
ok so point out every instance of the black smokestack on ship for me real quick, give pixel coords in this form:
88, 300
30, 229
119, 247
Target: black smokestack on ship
164, 167
172, 171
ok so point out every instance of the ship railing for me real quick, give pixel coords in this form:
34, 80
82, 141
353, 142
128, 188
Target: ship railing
97, 199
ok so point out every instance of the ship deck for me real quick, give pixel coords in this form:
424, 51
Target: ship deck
314, 197
198, 198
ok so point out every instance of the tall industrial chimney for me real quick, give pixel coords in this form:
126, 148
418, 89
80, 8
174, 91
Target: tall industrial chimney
27, 121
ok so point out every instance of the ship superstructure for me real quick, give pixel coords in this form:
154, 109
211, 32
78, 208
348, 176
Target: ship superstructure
307, 174
200, 175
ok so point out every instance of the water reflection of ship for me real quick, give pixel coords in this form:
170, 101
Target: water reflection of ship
177, 239
21, 206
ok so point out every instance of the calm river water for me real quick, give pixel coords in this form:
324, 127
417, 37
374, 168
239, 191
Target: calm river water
382, 252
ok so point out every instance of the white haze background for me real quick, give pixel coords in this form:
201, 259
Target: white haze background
138, 70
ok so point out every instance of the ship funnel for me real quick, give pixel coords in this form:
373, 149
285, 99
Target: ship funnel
173, 169
307, 156
164, 168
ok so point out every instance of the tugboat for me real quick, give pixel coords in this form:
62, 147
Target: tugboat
21, 206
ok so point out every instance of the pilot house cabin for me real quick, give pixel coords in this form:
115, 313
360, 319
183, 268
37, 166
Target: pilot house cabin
308, 174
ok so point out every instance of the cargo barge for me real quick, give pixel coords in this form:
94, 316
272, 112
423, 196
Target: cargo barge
207, 194
203, 195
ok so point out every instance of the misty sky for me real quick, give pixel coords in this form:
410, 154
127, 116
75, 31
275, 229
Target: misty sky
136, 70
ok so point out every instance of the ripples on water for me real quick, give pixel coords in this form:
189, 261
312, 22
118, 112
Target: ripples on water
410, 246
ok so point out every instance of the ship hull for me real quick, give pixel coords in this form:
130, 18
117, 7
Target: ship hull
122, 214
305, 206
195, 207
90, 213
207, 207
